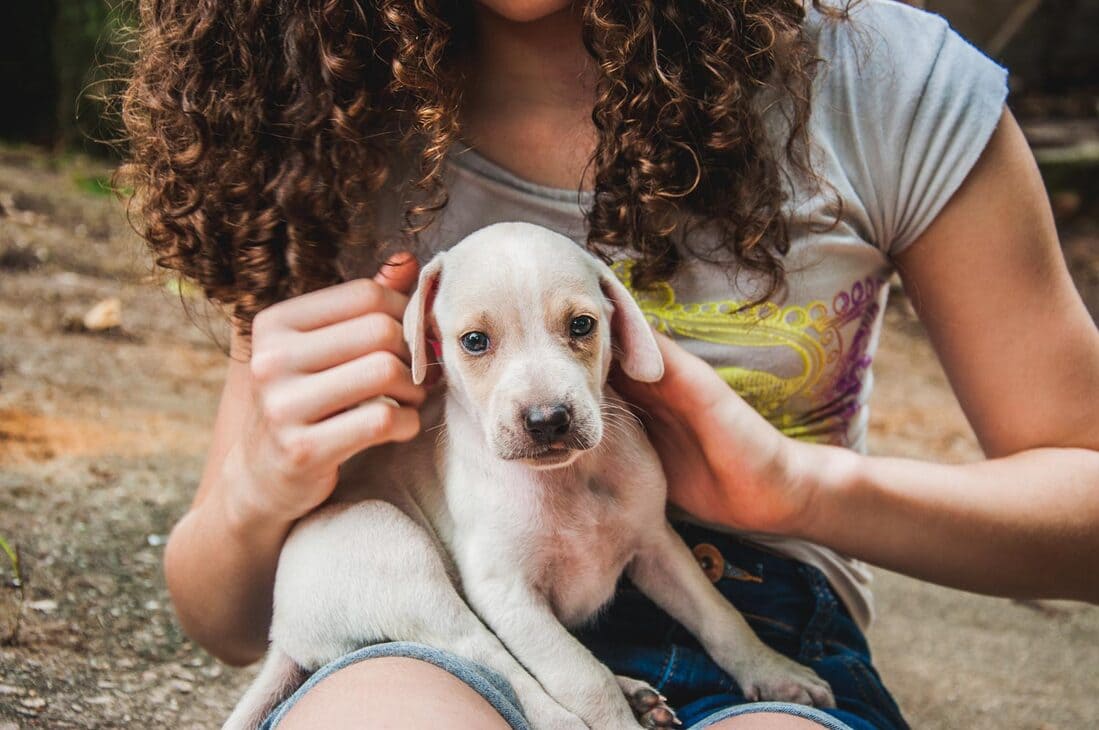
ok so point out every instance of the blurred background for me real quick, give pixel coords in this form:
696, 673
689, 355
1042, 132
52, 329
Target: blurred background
108, 388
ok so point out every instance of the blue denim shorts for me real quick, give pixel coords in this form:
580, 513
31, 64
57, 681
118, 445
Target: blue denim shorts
792, 608
789, 604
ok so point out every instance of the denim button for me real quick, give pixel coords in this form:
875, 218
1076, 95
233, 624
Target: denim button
710, 560
716, 567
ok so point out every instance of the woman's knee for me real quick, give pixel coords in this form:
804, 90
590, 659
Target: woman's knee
393, 692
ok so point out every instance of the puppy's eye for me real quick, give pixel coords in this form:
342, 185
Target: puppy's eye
581, 326
474, 342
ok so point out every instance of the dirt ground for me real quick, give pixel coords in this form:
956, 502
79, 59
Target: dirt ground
102, 439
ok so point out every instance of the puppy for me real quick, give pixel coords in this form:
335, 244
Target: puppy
529, 492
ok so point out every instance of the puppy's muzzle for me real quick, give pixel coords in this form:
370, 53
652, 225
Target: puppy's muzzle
548, 424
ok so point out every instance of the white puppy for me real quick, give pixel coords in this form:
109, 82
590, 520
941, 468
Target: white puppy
515, 518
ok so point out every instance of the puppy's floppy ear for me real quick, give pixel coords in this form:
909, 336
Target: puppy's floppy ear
640, 356
418, 314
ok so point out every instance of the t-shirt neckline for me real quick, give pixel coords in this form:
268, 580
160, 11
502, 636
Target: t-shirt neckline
468, 159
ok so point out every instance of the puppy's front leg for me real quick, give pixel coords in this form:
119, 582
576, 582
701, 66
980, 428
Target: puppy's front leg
666, 571
524, 621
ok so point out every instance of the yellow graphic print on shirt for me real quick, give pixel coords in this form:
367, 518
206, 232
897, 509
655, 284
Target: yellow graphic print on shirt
819, 397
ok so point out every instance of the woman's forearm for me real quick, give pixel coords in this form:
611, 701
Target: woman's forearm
220, 566
1025, 525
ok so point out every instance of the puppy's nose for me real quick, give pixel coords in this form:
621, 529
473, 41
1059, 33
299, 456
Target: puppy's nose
548, 424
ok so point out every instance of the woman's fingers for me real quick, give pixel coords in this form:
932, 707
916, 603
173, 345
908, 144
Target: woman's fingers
313, 397
342, 436
344, 341
328, 306
339, 323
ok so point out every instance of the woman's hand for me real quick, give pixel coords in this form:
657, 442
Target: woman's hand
724, 462
286, 420
315, 358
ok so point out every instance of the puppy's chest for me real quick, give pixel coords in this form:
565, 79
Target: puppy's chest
578, 551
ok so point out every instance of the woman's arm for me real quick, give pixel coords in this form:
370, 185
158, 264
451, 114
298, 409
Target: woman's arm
282, 429
989, 281
990, 284
1025, 525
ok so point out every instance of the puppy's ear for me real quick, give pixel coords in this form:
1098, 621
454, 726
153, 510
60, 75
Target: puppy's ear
640, 356
418, 315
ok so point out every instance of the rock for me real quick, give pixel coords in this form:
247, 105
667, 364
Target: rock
158, 696
105, 315
20, 259
45, 606
184, 674
181, 686
33, 703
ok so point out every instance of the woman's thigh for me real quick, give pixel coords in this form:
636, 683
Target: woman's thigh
401, 684
393, 692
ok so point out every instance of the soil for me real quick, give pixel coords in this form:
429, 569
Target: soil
102, 438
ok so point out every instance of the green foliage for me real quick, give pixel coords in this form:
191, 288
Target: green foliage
14, 587
98, 185
90, 58
13, 557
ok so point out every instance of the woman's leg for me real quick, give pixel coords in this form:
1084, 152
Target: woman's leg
393, 692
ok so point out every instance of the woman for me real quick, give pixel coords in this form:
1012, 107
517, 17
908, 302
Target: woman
756, 201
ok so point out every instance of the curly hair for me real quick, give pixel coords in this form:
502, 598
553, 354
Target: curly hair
260, 130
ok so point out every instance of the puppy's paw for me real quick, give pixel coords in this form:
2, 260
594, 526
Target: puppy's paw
774, 678
649, 706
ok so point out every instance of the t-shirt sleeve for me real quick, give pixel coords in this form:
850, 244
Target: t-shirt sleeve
914, 105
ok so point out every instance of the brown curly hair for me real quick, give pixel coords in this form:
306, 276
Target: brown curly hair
260, 130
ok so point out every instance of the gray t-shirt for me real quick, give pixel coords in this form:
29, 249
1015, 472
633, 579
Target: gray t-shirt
902, 108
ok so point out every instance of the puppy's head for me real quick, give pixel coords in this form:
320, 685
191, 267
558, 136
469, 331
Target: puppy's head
526, 321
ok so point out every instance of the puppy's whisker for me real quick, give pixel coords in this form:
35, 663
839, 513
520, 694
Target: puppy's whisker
619, 413
620, 403
617, 429
441, 434
615, 410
